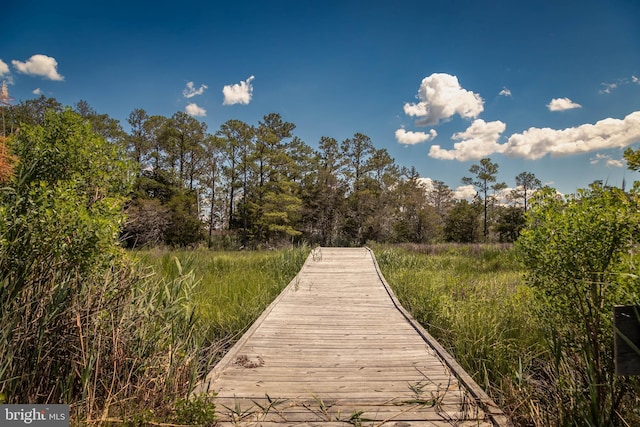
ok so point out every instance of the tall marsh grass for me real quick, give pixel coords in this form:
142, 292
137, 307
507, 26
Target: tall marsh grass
233, 288
473, 300
111, 347
127, 346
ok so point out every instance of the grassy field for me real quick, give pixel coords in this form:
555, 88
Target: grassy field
474, 301
472, 298
231, 288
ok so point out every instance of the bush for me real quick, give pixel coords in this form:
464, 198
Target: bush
580, 255
82, 324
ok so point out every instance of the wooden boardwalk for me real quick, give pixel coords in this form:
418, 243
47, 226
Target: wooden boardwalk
336, 348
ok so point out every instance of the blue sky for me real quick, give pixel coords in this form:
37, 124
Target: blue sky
549, 87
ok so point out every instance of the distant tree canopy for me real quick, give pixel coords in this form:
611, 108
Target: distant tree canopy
246, 185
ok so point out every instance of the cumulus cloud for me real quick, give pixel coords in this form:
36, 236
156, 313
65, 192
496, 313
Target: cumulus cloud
412, 138
194, 110
190, 91
239, 93
37, 91
426, 183
478, 141
39, 65
561, 104
4, 68
607, 160
505, 92
535, 143
466, 192
440, 98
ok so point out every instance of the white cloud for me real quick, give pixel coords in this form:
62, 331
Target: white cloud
194, 110
240, 93
503, 196
412, 138
505, 92
608, 161
561, 104
478, 141
466, 192
39, 65
607, 88
4, 68
598, 157
615, 163
37, 91
190, 91
535, 143
426, 183
440, 98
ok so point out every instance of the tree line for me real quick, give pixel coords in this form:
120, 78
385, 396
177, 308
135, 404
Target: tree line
257, 185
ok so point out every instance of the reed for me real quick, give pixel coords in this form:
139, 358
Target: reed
127, 345
233, 288
473, 300
476, 303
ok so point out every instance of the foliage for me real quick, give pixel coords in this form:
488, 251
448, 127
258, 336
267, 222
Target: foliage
31, 112
633, 158
485, 173
461, 224
526, 183
233, 287
82, 324
161, 212
102, 124
197, 410
528, 349
580, 255
510, 223
7, 162
64, 207
473, 300
254, 186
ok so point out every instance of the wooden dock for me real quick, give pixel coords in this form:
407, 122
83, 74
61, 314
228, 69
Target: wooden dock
336, 349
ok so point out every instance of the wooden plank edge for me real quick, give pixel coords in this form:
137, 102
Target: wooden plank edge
493, 411
233, 353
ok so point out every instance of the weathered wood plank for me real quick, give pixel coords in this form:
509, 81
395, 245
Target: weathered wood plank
336, 343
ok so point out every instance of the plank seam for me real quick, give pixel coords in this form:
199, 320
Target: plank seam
495, 414
232, 354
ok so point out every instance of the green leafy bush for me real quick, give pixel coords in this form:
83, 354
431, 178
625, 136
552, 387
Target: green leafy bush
581, 254
82, 323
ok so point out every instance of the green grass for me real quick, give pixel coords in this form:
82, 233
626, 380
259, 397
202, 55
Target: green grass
233, 288
474, 301
471, 298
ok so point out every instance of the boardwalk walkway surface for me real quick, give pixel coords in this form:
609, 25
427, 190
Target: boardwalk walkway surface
336, 349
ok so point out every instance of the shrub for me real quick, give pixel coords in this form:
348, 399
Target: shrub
82, 324
580, 255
